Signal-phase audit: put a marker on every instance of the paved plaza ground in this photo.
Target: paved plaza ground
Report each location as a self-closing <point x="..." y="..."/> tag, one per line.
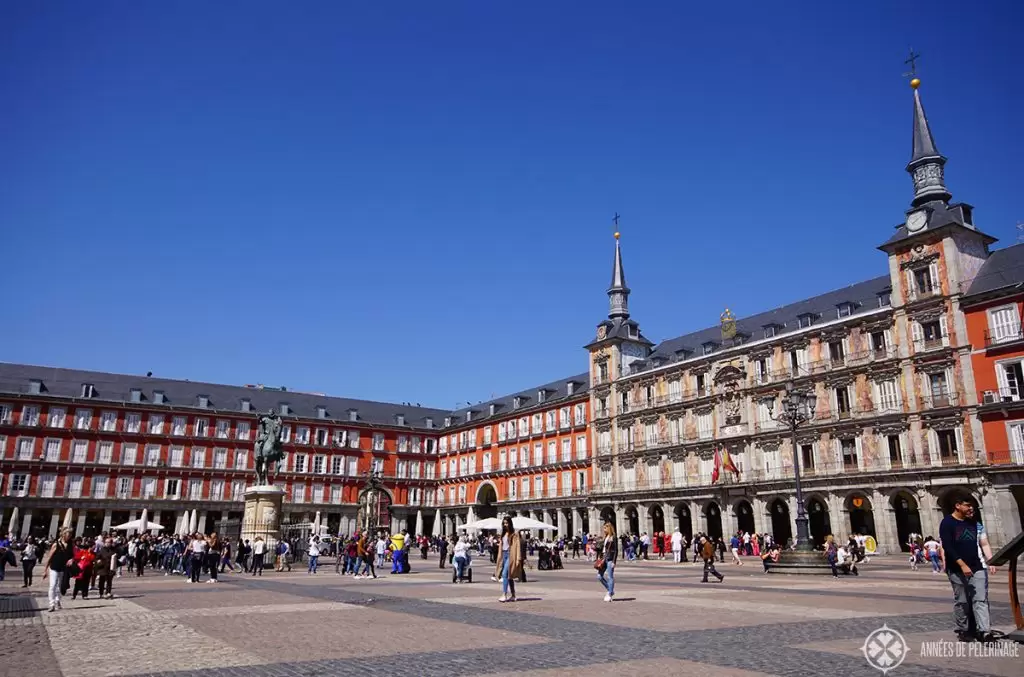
<point x="663" y="622"/>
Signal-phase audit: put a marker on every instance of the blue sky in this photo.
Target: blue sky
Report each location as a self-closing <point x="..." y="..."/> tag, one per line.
<point x="413" y="201"/>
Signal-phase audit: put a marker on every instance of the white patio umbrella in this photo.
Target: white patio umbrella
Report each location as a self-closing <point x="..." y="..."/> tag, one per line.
<point x="68" y="517"/>
<point x="144" y="521"/>
<point x="470" y="516"/>
<point x="316" y="524"/>
<point x="193" y="521"/>
<point x="419" y="523"/>
<point x="521" y="523"/>
<point x="136" y="525"/>
<point x="435" y="529"/>
<point x="12" y="524"/>
<point x="479" y="525"/>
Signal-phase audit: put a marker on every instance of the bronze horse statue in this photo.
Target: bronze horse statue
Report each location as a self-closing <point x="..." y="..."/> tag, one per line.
<point x="268" y="445"/>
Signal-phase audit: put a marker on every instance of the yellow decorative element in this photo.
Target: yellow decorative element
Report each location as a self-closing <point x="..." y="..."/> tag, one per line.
<point x="915" y="83"/>
<point x="870" y="545"/>
<point x="616" y="236"/>
<point x="728" y="324"/>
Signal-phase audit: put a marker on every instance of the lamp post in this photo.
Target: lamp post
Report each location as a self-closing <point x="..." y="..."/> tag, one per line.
<point x="797" y="409"/>
<point x="374" y="480"/>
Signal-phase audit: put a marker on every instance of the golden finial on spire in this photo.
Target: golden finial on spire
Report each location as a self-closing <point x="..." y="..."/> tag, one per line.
<point x="615" y="220"/>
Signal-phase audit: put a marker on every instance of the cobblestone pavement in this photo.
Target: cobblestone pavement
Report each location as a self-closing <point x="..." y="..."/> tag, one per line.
<point x="664" y="621"/>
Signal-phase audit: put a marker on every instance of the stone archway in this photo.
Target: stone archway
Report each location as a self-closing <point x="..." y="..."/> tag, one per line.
<point x="632" y="520"/>
<point x="948" y="499"/>
<point x="486" y="501"/>
<point x="657" y="517"/>
<point x="744" y="516"/>
<point x="782" y="524"/>
<point x="908" y="517"/>
<point x="818" y="520"/>
<point x="713" y="516"/>
<point x="607" y="517"/>
<point x="862" y="516"/>
<point x="685" y="522"/>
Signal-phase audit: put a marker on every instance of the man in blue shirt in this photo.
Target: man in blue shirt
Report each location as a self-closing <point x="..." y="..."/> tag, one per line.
<point x="958" y="533"/>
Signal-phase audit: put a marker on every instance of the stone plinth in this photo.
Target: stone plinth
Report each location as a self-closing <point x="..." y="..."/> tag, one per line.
<point x="262" y="516"/>
<point x="800" y="562"/>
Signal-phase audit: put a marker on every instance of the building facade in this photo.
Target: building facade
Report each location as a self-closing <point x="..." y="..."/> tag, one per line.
<point x="917" y="373"/>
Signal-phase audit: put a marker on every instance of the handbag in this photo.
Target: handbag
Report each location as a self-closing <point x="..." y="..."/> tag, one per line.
<point x="599" y="563"/>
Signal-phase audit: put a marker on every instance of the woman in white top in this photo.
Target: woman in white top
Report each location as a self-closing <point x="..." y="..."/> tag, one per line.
<point x="197" y="550"/>
<point x="461" y="558"/>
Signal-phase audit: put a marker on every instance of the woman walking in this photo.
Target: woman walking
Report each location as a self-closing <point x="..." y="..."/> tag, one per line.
<point x="197" y="556"/>
<point x="510" y="559"/>
<point x="60" y="555"/>
<point x="213" y="556"/>
<point x="609" y="555"/>
<point x="28" y="560"/>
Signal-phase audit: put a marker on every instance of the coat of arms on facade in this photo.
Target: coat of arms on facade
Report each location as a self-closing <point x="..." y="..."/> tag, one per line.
<point x="728" y="324"/>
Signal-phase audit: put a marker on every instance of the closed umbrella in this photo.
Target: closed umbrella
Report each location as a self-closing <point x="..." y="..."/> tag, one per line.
<point x="12" y="526"/>
<point x="316" y="524"/>
<point x="193" y="522"/>
<point x="68" y="517"/>
<point x="144" y="521"/>
<point x="437" y="526"/>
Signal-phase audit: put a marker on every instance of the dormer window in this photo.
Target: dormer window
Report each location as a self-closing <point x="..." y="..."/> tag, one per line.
<point x="469" y="416"/>
<point x="684" y="354"/>
<point x="204" y="402"/>
<point x="283" y="408"/>
<point x="399" y="419"/>
<point x="805" y="320"/>
<point x="844" y="309"/>
<point x="158" y="397"/>
<point x="429" y="422"/>
<point x="447" y="421"/>
<point x="35" y="387"/>
<point x="770" y="330"/>
<point x="353" y="415"/>
<point x="570" y="387"/>
<point x="321" y="411"/>
<point x="541" y="395"/>
<point x="491" y="409"/>
<point x="633" y="333"/>
<point x="517" y="402"/>
<point x="88" y="390"/>
<point x="246" y="405"/>
<point x="885" y="299"/>
<point x="135" y="394"/>
<point x="708" y="347"/>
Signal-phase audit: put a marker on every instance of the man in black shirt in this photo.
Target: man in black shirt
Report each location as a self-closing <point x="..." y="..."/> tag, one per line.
<point x="959" y="535"/>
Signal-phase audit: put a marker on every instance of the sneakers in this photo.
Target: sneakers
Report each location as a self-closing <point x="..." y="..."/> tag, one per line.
<point x="503" y="598"/>
<point x="52" y="608"/>
<point x="607" y="598"/>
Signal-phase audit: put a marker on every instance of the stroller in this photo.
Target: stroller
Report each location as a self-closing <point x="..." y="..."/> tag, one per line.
<point x="546" y="560"/>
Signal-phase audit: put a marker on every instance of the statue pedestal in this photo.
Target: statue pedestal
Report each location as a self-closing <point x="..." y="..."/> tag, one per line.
<point x="262" y="516"/>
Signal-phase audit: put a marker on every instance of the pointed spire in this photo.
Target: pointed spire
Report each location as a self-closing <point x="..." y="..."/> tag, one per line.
<point x="926" y="163"/>
<point x="618" y="293"/>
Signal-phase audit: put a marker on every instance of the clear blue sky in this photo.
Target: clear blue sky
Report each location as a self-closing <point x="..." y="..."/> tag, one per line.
<point x="412" y="200"/>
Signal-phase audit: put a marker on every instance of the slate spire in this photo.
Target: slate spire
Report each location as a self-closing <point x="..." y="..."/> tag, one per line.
<point x="926" y="163"/>
<point x="618" y="293"/>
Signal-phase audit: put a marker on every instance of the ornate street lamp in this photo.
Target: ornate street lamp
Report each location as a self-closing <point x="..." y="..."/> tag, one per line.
<point x="797" y="409"/>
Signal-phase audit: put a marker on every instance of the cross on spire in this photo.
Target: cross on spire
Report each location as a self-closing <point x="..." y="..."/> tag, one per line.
<point x="912" y="62"/>
<point x="615" y="220"/>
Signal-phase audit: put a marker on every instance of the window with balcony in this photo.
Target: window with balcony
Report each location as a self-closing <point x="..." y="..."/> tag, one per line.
<point x="242" y="429"/>
<point x="938" y="390"/>
<point x="807" y="460"/>
<point x="1004" y="325"/>
<point x="566" y="450"/>
<point x="763" y="370"/>
<point x="887" y="395"/>
<point x="105" y="453"/>
<point x="705" y="428"/>
<point x="5" y="414"/>
<point x="302" y="435"/>
<point x="298" y="492"/>
<point x="83" y="419"/>
<point x="299" y="463"/>
<point x="75" y="486"/>
<point x="79" y="451"/>
<point x="241" y="459"/>
<point x="178" y="425"/>
<point x="581" y="447"/>
<point x="124" y="487"/>
<point x="220" y="458"/>
<point x="149" y="487"/>
<point x="701" y="381"/>
<point x="198" y="457"/>
<point x="879" y="344"/>
<point x="223" y="429"/>
<point x="29" y="415"/>
<point x="129" y="451"/>
<point x="55" y="417"/>
<point x="841" y="400"/>
<point x="201" y="427"/>
<point x="848" y="450"/>
<point x="949" y="453"/>
<point x="99" y="486"/>
<point x="579" y="414"/>
<point x="895" y="451"/>
<point x="925" y="280"/>
<point x="176" y="457"/>
<point x="602" y="372"/>
<point x="51" y="451"/>
<point x="48" y="485"/>
<point x="675" y="390"/>
<point x="155" y="425"/>
<point x="217" y="490"/>
<point x="837" y="352"/>
<point x="1010" y="377"/>
<point x="552" y="452"/>
<point x="378" y="441"/>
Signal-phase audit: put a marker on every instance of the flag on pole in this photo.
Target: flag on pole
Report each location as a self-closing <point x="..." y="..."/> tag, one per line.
<point x="728" y="464"/>
<point x="715" y="470"/>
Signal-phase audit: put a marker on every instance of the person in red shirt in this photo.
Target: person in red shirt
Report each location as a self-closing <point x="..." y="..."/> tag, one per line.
<point x="84" y="558"/>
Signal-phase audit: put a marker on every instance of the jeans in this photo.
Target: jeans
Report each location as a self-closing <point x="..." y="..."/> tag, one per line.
<point x="313" y="561"/>
<point x="367" y="566"/>
<point x="53" y="593"/>
<point x="934" y="557"/>
<point x="380" y="560"/>
<point x="607" y="577"/>
<point x="970" y="594"/>
<point x="506" y="566"/>
<point x="460" y="567"/>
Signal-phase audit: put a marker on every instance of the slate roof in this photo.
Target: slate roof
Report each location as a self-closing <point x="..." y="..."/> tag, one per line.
<point x="864" y="296"/>
<point x="505" y="406"/>
<point x="940" y="215"/>
<point x="178" y="394"/>
<point x="1003" y="268"/>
